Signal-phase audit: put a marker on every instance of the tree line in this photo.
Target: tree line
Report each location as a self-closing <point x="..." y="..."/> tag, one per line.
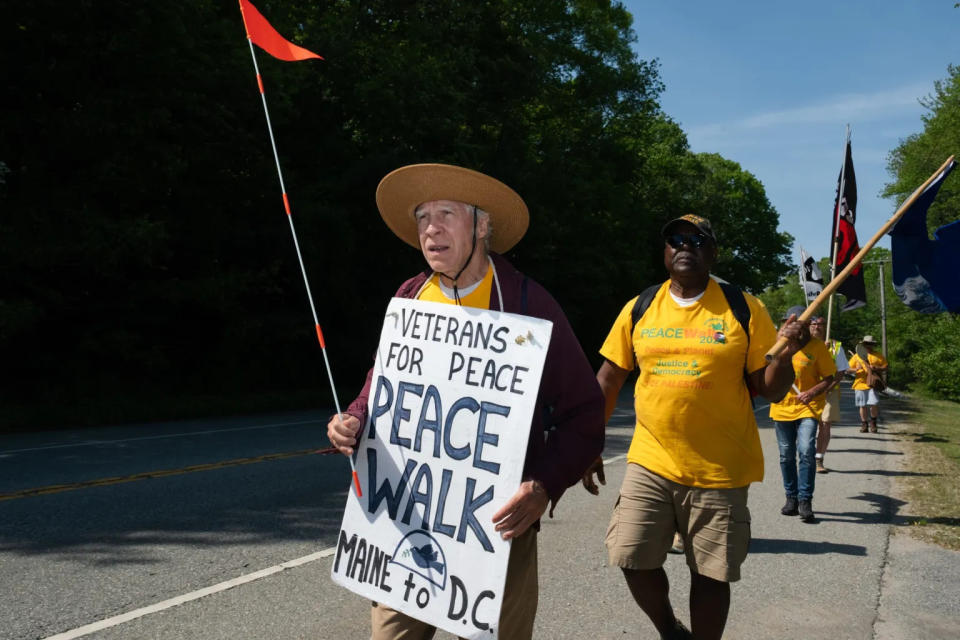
<point x="149" y="271"/>
<point x="923" y="349"/>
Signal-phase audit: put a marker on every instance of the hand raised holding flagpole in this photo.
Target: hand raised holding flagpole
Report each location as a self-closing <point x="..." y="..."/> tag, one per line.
<point x="855" y="261"/>
<point x="261" y="33"/>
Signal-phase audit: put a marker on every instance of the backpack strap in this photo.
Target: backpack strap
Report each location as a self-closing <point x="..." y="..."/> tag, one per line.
<point x="642" y="304"/>
<point x="738" y="305"/>
<point x="741" y="311"/>
<point x="639" y="308"/>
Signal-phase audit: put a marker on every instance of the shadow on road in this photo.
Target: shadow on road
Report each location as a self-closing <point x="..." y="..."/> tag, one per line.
<point x="292" y="500"/>
<point x="805" y="547"/>
<point x="884" y="472"/>
<point x="917" y="436"/>
<point x="872" y="451"/>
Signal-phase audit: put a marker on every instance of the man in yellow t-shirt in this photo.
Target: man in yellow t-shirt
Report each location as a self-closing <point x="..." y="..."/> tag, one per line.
<point x="795" y="420"/>
<point x="864" y="396"/>
<point x="696" y="447"/>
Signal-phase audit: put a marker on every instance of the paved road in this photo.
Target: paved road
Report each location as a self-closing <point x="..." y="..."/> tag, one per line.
<point x="846" y="576"/>
<point x="78" y="555"/>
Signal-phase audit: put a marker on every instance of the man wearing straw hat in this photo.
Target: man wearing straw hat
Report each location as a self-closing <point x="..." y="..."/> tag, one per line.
<point x="461" y="220"/>
<point x="865" y="396"/>
<point x="695" y="447"/>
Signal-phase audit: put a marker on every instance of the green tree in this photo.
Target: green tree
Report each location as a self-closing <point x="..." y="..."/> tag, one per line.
<point x="753" y="254"/>
<point x="927" y="345"/>
<point x="150" y="266"/>
<point x="919" y="155"/>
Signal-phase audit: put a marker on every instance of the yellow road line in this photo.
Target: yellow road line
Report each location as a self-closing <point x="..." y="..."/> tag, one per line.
<point x="146" y="475"/>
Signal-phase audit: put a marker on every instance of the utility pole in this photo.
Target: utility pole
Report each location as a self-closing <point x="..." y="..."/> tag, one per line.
<point x="883" y="312"/>
<point x="883" y="307"/>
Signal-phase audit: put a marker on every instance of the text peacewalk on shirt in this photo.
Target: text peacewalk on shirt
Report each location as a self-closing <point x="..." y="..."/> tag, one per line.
<point x="811" y="364"/>
<point x="695" y="423"/>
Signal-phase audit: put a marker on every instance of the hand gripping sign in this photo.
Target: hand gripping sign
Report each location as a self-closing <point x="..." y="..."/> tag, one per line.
<point x="451" y="401"/>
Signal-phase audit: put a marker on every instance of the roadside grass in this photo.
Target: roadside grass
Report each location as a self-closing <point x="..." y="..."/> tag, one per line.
<point x="931" y="434"/>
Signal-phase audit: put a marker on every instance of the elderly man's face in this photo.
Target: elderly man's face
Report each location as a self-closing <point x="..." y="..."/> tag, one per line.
<point x="818" y="327"/>
<point x="686" y="259"/>
<point x="446" y="234"/>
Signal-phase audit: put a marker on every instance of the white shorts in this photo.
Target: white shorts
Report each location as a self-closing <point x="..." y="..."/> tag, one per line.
<point x="865" y="397"/>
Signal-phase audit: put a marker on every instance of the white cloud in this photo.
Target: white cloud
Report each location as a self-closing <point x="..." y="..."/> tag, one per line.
<point x="848" y="107"/>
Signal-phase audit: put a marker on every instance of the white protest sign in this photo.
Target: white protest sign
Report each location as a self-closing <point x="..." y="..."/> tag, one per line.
<point x="451" y="401"/>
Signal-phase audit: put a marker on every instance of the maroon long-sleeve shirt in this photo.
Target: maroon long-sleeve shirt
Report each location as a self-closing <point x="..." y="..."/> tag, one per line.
<point x="567" y="430"/>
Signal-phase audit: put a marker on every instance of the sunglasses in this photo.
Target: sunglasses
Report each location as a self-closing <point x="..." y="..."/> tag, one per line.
<point x="695" y="240"/>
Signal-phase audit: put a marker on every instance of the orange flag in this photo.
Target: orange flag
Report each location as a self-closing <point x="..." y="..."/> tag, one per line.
<point x="266" y="37"/>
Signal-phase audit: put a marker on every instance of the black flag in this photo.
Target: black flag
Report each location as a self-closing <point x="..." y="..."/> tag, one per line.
<point x="844" y="217"/>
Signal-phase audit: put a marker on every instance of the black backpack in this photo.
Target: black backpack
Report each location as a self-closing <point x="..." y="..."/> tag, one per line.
<point x="735" y="299"/>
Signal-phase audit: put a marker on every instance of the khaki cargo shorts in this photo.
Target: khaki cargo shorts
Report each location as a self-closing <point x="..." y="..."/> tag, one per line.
<point x="831" y="410"/>
<point x="714" y="523"/>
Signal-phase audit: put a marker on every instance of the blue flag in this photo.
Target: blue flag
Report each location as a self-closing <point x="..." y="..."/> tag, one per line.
<point x="926" y="273"/>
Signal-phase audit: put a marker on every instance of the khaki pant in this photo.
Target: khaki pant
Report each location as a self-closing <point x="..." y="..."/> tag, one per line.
<point x="520" y="595"/>
<point x="831" y="410"/>
<point x="715" y="525"/>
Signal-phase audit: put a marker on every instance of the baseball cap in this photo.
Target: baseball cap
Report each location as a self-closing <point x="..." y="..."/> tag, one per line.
<point x="794" y="310"/>
<point x="699" y="222"/>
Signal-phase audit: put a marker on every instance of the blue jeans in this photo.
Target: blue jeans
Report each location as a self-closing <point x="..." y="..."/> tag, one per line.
<point x="797" y="440"/>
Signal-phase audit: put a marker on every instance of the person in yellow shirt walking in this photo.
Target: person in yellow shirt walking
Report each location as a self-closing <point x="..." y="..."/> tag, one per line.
<point x="796" y="418"/>
<point x="865" y="396"/>
<point x="695" y="451"/>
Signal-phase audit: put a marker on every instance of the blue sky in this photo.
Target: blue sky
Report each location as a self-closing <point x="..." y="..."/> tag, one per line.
<point x="772" y="85"/>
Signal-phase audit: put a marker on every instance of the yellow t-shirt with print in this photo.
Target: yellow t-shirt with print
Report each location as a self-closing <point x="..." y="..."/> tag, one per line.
<point x="875" y="360"/>
<point x="479" y="298"/>
<point x="695" y="423"/>
<point x="811" y="364"/>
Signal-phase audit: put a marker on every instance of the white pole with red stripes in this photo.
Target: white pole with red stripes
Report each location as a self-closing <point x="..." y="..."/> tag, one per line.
<point x="296" y="244"/>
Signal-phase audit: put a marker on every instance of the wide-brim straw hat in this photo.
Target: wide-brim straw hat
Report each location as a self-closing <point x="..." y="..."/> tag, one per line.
<point x="403" y="190"/>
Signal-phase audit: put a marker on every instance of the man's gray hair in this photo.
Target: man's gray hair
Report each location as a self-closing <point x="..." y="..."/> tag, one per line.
<point x="486" y="241"/>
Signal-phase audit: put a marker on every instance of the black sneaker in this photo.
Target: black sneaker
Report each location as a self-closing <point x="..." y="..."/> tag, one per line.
<point x="790" y="507"/>
<point x="679" y="632"/>
<point x="806" y="511"/>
